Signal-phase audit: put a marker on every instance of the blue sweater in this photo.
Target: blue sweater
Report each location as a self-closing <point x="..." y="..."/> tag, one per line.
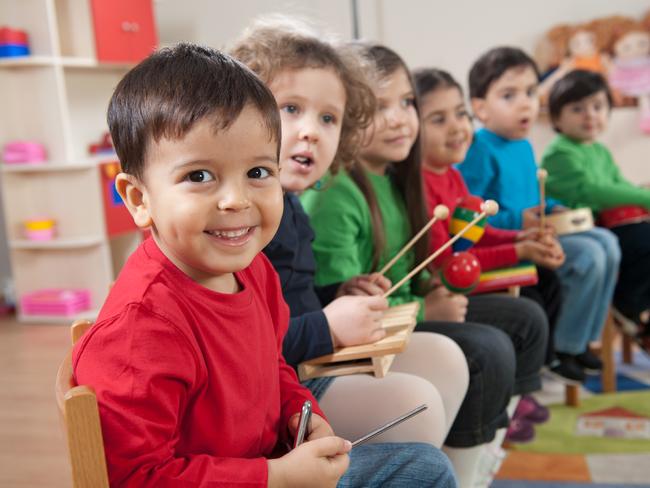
<point x="503" y="170"/>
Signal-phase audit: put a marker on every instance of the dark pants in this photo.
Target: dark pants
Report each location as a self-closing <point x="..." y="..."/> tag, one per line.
<point x="632" y="294"/>
<point x="548" y="295"/>
<point x="504" y="358"/>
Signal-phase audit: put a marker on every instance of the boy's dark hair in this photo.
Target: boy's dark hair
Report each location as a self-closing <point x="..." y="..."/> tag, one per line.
<point x="491" y="66"/>
<point x="173" y="89"/>
<point x="428" y="80"/>
<point x="575" y="86"/>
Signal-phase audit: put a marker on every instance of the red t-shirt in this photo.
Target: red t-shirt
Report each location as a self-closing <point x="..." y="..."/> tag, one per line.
<point x="495" y="249"/>
<point x="191" y="384"/>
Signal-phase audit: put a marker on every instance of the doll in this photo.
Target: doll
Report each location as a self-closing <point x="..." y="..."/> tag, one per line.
<point x="630" y="70"/>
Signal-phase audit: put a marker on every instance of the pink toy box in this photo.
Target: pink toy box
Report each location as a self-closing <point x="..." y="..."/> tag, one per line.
<point x="55" y="301"/>
<point x="18" y="152"/>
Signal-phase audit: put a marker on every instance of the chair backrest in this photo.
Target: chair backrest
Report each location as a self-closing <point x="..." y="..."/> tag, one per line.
<point x="78" y="408"/>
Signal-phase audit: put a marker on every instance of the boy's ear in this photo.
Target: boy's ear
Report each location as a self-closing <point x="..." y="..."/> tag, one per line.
<point x="134" y="196"/>
<point x="478" y="108"/>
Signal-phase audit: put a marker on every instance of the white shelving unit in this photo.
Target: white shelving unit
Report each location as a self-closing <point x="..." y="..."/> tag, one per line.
<point x="58" y="97"/>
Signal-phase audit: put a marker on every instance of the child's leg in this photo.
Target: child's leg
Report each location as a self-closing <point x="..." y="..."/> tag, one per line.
<point x="525" y="323"/>
<point x="357" y="404"/>
<point x="440" y="361"/>
<point x="583" y="278"/>
<point x="491" y="360"/>
<point x="547" y="293"/>
<point x="396" y="465"/>
<point x="632" y="294"/>
<point x="610" y="245"/>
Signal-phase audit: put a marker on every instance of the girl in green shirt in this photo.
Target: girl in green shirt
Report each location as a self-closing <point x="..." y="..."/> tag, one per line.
<point x="367" y="213"/>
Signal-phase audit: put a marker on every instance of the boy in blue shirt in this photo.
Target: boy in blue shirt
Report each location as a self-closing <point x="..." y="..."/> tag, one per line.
<point x="501" y="165"/>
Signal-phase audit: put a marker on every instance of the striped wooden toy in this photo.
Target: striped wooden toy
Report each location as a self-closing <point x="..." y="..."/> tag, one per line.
<point x="466" y="210"/>
<point x="524" y="274"/>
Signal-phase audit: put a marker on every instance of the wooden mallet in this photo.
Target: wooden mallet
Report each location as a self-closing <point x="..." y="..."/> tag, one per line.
<point x="489" y="207"/>
<point x="541" y="178"/>
<point x="440" y="212"/>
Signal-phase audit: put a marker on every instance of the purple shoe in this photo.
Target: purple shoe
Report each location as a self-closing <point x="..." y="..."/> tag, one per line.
<point x="520" y="430"/>
<point x="530" y="409"/>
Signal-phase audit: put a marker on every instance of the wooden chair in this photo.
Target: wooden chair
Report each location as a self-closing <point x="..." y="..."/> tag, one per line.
<point x="78" y="409"/>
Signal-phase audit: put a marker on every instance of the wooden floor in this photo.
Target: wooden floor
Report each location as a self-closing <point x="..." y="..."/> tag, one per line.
<point x="32" y="446"/>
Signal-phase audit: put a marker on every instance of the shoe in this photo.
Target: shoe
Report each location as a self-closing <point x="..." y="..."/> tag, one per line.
<point x="520" y="430"/>
<point x="567" y="370"/>
<point x="589" y="362"/>
<point x="530" y="409"/>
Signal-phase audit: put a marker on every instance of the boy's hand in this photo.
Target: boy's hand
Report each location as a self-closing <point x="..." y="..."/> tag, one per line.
<point x="372" y="284"/>
<point x="534" y="234"/>
<point x="530" y="217"/>
<point x="317" y="463"/>
<point x="355" y="320"/>
<point x="318" y="427"/>
<point x="441" y="304"/>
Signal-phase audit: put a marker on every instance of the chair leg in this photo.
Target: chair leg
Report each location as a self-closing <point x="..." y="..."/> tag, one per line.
<point x="572" y="395"/>
<point x="608" y="375"/>
<point x="628" y="349"/>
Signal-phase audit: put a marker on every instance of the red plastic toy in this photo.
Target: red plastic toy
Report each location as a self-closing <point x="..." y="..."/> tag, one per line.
<point x="461" y="272"/>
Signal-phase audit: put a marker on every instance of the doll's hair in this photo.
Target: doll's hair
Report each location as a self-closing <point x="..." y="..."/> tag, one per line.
<point x="551" y="49"/>
<point x="573" y="87"/>
<point x="493" y="64"/>
<point x="275" y="43"/>
<point x="621" y="28"/>
<point x="175" y="88"/>
<point x="428" y="80"/>
<point x="382" y="63"/>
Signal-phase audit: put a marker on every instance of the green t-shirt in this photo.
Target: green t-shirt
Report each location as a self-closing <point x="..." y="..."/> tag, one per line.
<point x="343" y="247"/>
<point x="585" y="175"/>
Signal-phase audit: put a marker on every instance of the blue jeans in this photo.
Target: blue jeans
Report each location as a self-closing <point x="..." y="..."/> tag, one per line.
<point x="411" y="465"/>
<point x="588" y="278"/>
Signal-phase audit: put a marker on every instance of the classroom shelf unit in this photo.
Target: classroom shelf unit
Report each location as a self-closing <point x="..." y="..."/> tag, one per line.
<point x="58" y="96"/>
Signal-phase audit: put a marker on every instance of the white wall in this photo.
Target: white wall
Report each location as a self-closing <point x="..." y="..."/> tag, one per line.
<point x="445" y="34"/>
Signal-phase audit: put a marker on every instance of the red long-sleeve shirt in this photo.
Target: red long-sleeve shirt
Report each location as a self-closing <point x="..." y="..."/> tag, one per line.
<point x="495" y="249"/>
<point x="192" y="386"/>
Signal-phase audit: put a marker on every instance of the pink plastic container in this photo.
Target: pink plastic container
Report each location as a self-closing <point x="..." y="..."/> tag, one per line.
<point x="55" y="301"/>
<point x="20" y="152"/>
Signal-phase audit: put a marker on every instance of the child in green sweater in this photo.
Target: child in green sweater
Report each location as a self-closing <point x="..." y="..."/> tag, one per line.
<point x="582" y="173"/>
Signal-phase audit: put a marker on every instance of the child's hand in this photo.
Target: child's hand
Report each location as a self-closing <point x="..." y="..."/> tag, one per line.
<point x="441" y="304"/>
<point x="530" y="218"/>
<point x="318" y="427"/>
<point x="372" y="284"/>
<point x="536" y="252"/>
<point x="356" y="320"/>
<point x="535" y="234"/>
<point x="317" y="463"/>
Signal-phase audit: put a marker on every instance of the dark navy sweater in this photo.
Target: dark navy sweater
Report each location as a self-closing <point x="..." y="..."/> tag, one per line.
<point x="292" y="257"/>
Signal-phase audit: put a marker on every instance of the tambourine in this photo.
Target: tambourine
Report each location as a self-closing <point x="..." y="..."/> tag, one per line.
<point x="571" y="221"/>
<point x="628" y="214"/>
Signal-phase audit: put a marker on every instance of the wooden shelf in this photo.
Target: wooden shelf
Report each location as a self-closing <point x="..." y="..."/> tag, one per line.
<point x="59" y="319"/>
<point x="46" y="167"/>
<point x="66" y="62"/>
<point x="74" y="243"/>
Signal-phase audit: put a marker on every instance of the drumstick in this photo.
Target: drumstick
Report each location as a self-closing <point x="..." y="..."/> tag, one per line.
<point x="441" y="212"/>
<point x="541" y="178"/>
<point x="490" y="207"/>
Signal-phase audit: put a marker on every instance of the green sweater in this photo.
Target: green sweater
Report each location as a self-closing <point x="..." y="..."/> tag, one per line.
<point x="344" y="245"/>
<point x="585" y="175"/>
